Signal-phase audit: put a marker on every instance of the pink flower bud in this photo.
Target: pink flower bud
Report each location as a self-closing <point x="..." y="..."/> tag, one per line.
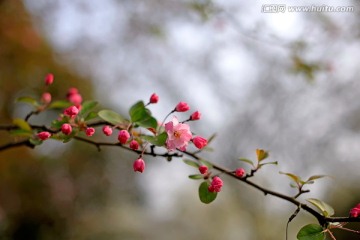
<point x="75" y="99"/>
<point x="46" y="97"/>
<point x="216" y="184"/>
<point x="199" y="142"/>
<point x="71" y="111"/>
<point x="182" y="107"/>
<point x="134" y="145"/>
<point x="90" y="131"/>
<point x="66" y="129"/>
<point x="355" y="212"/>
<point x="43" y="135"/>
<point x="49" y="79"/>
<point x="139" y="165"/>
<point x="123" y="136"/>
<point x="195" y="116"/>
<point x="72" y="91"/>
<point x="107" y="130"/>
<point x="154" y="98"/>
<point x="239" y="172"/>
<point x="203" y="169"/>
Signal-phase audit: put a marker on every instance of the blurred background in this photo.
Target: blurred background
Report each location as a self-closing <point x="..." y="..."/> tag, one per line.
<point x="285" y="82"/>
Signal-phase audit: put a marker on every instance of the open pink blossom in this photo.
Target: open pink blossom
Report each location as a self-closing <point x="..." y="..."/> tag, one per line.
<point x="179" y="135"/>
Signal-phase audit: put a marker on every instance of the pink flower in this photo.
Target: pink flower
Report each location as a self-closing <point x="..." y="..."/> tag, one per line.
<point x="195" y="116"/>
<point x="46" y="97"/>
<point x="199" y="142"/>
<point x="49" y="79"/>
<point x="154" y="98"/>
<point x="90" y="131"/>
<point x="139" y="165"/>
<point x="216" y="184"/>
<point x="43" y="135"/>
<point x="179" y="135"/>
<point x="71" y="111"/>
<point x="182" y="107"/>
<point x="124" y="135"/>
<point x="66" y="129"/>
<point x="134" y="145"/>
<point x="203" y="169"/>
<point x="355" y="212"/>
<point x="239" y="172"/>
<point x="107" y="130"/>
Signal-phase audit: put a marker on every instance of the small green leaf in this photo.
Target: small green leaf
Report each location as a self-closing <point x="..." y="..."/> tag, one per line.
<point x="59" y="104"/>
<point x="247" y="161"/>
<point x="86" y="107"/>
<point x="293" y="177"/>
<point x="196" y="176"/>
<point x="267" y="163"/>
<point x="35" y="142"/>
<point x="148" y="122"/>
<point x="315" y="177"/>
<point x="204" y="194"/>
<point x="325" y="208"/>
<point x="206" y="163"/>
<point x="91" y="116"/>
<point x="158" y="140"/>
<point x="22" y="124"/>
<point x="191" y="163"/>
<point x="21" y="133"/>
<point x="138" y="112"/>
<point x="111" y="117"/>
<point x="141" y="116"/>
<point x="211" y="138"/>
<point x="28" y="100"/>
<point x="311" y="232"/>
<point x="261" y="154"/>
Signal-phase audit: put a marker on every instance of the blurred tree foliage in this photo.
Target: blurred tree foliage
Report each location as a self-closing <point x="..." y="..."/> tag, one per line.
<point x="40" y="197"/>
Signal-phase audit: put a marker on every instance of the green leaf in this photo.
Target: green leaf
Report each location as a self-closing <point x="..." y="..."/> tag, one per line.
<point x="293" y="177"/>
<point x="141" y="116"/>
<point x="267" y="163"/>
<point x="325" y="208"/>
<point x="138" y="112"/>
<point x="196" y="176"/>
<point x="311" y="232"/>
<point x="22" y="124"/>
<point x="191" y="163"/>
<point x="91" y="116"/>
<point x="57" y="124"/>
<point x="206" y="163"/>
<point x="28" y="100"/>
<point x="204" y="194"/>
<point x="111" y="117"/>
<point x="158" y="140"/>
<point x="86" y="107"/>
<point x="247" y="161"/>
<point x="315" y="177"/>
<point x="149" y="122"/>
<point x="211" y="138"/>
<point x="35" y="142"/>
<point x="59" y="104"/>
<point x="21" y="133"/>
